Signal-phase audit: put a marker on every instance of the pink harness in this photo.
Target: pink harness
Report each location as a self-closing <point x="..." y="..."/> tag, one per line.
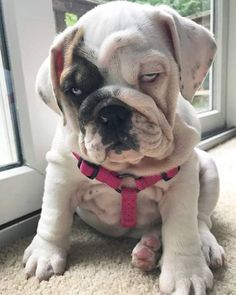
<point x="129" y="195"/>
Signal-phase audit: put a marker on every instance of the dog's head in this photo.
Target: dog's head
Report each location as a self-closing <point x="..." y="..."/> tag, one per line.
<point x="116" y="76"/>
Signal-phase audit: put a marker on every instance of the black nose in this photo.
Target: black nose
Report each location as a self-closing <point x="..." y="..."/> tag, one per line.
<point x="114" y="115"/>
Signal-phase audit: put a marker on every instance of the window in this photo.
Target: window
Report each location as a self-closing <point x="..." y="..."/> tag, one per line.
<point x="9" y="149"/>
<point x="27" y="37"/>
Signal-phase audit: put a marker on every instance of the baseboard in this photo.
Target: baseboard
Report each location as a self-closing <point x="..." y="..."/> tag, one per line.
<point x="216" y="139"/>
<point x="19" y="229"/>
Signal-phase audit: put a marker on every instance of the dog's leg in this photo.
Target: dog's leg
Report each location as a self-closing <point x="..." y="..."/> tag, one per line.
<point x="46" y="255"/>
<point x="146" y="253"/>
<point x="183" y="266"/>
<point x="209" y="193"/>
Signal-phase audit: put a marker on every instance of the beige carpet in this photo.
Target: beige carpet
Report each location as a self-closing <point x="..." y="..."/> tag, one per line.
<point x="101" y="265"/>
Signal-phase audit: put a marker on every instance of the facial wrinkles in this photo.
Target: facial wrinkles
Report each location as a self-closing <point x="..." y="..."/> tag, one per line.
<point x="147" y="133"/>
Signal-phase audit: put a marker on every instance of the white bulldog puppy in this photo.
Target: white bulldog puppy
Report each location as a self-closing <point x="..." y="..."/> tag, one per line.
<point x="115" y="78"/>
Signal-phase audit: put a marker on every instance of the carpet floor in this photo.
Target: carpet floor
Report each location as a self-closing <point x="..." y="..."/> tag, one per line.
<point x="101" y="265"/>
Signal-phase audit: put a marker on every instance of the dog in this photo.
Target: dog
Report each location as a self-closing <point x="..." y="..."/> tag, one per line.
<point x="124" y="154"/>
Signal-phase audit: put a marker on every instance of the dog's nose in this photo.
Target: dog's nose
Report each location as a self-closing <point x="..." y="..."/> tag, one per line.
<point x="114" y="115"/>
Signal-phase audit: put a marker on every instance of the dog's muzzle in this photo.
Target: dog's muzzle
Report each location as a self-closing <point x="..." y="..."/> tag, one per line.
<point x="111" y="118"/>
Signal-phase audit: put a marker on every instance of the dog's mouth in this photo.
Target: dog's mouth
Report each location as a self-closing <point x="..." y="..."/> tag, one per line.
<point x="118" y="152"/>
<point x="129" y="156"/>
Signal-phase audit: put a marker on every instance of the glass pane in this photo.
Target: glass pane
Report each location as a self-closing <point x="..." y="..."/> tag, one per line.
<point x="67" y="12"/>
<point x="203" y="15"/>
<point x="8" y="147"/>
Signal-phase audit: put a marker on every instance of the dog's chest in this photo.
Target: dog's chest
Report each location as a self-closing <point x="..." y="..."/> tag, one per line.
<point x="103" y="204"/>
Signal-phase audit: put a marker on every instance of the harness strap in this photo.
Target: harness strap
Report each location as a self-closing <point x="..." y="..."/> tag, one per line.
<point x="128" y="207"/>
<point x="128" y="195"/>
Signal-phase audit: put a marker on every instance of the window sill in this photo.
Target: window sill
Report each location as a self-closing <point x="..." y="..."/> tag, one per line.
<point x="211" y="141"/>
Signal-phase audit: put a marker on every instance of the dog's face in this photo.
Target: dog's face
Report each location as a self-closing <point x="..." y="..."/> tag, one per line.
<point x="117" y="74"/>
<point x="114" y="107"/>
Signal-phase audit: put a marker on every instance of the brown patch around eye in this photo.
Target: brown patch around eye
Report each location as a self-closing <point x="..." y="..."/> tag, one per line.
<point x="72" y="45"/>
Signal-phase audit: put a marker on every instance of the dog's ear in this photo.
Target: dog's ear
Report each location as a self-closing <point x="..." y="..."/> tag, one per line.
<point x="193" y="47"/>
<point x="44" y="86"/>
<point x="49" y="74"/>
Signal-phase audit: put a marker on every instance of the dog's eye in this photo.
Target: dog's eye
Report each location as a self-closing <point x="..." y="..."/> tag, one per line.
<point x="149" y="77"/>
<point x="75" y="91"/>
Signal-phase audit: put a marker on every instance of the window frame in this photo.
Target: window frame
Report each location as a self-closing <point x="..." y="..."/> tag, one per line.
<point x="215" y="119"/>
<point x="231" y="65"/>
<point x="8" y="112"/>
<point x="33" y="116"/>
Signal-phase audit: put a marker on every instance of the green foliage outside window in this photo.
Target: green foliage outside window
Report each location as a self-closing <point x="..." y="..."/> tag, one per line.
<point x="70" y="19"/>
<point x="184" y="7"/>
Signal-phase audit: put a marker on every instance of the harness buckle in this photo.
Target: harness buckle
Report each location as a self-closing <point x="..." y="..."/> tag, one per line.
<point x="94" y="166"/>
<point x="172" y="172"/>
<point x="165" y="177"/>
<point x="119" y="190"/>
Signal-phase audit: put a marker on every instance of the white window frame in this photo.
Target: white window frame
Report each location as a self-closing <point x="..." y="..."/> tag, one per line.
<point x="28" y="36"/>
<point x="30" y="29"/>
<point x="215" y="119"/>
<point x="231" y="65"/>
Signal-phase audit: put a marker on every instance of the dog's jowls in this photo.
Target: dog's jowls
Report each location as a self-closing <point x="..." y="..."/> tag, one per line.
<point x="115" y="79"/>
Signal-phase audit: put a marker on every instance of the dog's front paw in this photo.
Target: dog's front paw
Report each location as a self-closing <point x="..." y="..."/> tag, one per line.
<point x="182" y="274"/>
<point x="44" y="259"/>
<point x="146" y="253"/>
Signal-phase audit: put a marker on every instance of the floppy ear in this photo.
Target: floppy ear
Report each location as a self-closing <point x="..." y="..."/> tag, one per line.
<point x="193" y="46"/>
<point x="44" y="86"/>
<point x="60" y="56"/>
